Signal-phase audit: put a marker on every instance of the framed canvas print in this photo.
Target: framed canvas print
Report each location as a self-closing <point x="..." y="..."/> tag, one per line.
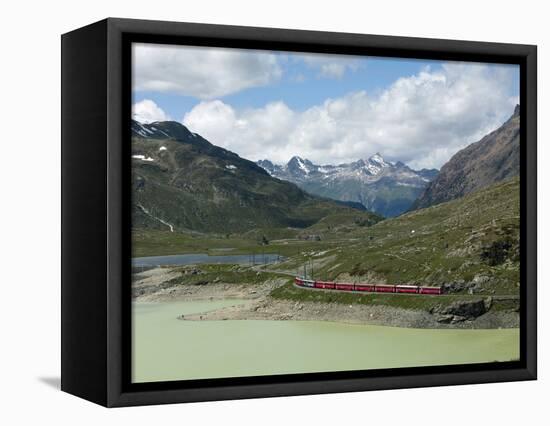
<point x="252" y="212"/>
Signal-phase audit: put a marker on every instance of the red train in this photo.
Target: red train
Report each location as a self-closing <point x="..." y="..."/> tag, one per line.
<point x="372" y="288"/>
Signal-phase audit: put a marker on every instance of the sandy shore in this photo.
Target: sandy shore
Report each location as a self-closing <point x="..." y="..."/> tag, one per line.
<point x="152" y="286"/>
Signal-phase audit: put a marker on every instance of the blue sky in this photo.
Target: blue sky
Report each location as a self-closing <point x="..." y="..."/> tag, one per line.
<point x="329" y="108"/>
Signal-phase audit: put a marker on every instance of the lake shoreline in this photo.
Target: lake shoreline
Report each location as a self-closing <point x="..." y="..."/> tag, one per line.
<point x="277" y="310"/>
<point x="154" y="286"/>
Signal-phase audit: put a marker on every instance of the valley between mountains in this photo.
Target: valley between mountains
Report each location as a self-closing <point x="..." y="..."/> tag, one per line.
<point x="371" y="220"/>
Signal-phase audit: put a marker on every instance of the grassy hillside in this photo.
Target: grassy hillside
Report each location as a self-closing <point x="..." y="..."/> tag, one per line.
<point x="469" y="246"/>
<point x="466" y="244"/>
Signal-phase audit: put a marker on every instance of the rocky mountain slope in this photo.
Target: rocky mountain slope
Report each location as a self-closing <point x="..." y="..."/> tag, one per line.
<point x="183" y="182"/>
<point x="492" y="159"/>
<point x="383" y="187"/>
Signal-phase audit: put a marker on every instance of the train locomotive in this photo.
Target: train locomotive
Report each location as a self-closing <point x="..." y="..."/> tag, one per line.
<point x="371" y="288"/>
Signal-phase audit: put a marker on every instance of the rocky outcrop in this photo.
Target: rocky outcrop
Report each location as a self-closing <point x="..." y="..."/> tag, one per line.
<point x="462" y="310"/>
<point x="476" y="285"/>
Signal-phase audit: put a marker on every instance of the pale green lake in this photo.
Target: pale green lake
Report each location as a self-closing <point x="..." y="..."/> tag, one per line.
<point x="165" y="348"/>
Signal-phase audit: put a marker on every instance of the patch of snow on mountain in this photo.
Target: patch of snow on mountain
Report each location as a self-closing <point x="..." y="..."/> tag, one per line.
<point x="148" y="213"/>
<point x="162" y="148"/>
<point x="377" y="158"/>
<point x="142" y="157"/>
<point x="302" y="166"/>
<point x="141" y="130"/>
<point x="230" y="167"/>
<point x="372" y="169"/>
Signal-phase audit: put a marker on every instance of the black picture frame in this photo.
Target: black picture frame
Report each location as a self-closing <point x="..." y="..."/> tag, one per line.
<point x="96" y="107"/>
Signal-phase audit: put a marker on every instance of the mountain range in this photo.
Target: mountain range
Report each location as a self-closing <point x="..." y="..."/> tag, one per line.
<point x="492" y="159"/>
<point x="183" y="182"/>
<point x="386" y="188"/>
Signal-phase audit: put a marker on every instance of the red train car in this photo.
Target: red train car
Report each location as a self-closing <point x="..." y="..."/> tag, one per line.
<point x="344" y="286"/>
<point x="406" y="289"/>
<point x="430" y="290"/>
<point x="384" y="288"/>
<point x="303" y="282"/>
<point x="365" y="287"/>
<point x="325" y="284"/>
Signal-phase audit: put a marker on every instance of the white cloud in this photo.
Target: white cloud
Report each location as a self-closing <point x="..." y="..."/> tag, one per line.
<point x="205" y="73"/>
<point x="147" y="111"/>
<point x="252" y="133"/>
<point x="421" y="120"/>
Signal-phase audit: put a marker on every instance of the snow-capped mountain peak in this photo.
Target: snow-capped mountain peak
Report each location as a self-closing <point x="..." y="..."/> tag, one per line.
<point x="375" y="164"/>
<point x="299" y="166"/>
<point x="377" y="158"/>
<point x="149" y="130"/>
<point x="359" y="181"/>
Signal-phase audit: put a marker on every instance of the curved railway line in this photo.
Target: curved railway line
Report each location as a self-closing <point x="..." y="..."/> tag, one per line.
<point x="367" y="288"/>
<point x="359" y="288"/>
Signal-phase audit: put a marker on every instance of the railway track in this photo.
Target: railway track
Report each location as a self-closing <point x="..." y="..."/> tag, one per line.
<point x="368" y="288"/>
<point x="441" y="295"/>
